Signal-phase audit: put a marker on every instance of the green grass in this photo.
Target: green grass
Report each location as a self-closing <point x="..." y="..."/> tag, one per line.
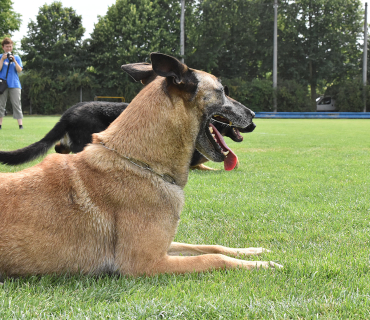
<point x="302" y="191"/>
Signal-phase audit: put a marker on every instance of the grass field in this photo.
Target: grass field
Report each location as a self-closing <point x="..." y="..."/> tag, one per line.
<point x="302" y="190"/>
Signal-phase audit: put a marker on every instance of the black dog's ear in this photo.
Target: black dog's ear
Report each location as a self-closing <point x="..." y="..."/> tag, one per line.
<point x="140" y="71"/>
<point x="167" y="66"/>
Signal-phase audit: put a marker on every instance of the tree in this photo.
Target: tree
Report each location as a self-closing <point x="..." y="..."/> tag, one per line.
<point x="128" y="33"/>
<point x="50" y="95"/>
<point x="54" y="40"/>
<point x="318" y="40"/>
<point x="317" y="44"/>
<point x="10" y="21"/>
<point x="54" y="59"/>
<point x="233" y="38"/>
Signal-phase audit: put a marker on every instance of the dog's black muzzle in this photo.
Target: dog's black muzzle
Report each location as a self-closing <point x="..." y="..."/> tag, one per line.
<point x="249" y="128"/>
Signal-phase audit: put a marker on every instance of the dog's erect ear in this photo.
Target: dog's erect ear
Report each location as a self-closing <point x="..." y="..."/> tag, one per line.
<point x="167" y="66"/>
<point x="140" y="71"/>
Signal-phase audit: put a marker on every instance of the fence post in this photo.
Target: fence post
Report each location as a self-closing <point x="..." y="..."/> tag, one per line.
<point x="364" y="68"/>
<point x="274" y="71"/>
<point x="182" y="31"/>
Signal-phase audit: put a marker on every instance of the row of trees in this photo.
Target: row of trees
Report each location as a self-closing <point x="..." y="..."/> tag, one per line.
<point x="318" y="48"/>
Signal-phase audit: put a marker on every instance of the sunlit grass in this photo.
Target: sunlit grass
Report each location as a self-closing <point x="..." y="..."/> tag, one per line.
<point x="301" y="190"/>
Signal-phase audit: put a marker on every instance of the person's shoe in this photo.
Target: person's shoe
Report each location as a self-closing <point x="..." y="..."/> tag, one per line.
<point x="0" y="126"/>
<point x="20" y="127"/>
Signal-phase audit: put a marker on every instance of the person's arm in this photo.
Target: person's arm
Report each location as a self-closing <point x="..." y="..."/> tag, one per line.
<point x="17" y="66"/>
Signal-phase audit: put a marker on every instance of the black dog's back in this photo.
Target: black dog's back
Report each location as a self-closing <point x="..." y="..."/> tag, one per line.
<point x="79" y="122"/>
<point x="86" y="118"/>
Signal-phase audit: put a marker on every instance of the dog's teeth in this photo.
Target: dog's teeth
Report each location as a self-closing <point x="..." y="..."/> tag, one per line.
<point x="226" y="153"/>
<point x="211" y="129"/>
<point x="214" y="136"/>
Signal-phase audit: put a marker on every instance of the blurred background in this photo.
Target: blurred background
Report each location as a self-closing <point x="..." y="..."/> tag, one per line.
<point x="73" y="51"/>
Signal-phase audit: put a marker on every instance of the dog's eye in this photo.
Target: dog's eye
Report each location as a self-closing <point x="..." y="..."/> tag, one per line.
<point x="226" y="90"/>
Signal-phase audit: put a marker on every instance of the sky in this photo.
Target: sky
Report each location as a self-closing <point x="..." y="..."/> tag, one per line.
<point x="89" y="9"/>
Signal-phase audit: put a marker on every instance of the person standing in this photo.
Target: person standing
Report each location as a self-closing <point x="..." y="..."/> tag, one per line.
<point x="14" y="85"/>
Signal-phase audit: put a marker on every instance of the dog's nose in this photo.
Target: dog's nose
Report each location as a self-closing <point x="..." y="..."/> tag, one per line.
<point x="253" y="114"/>
<point x="249" y="128"/>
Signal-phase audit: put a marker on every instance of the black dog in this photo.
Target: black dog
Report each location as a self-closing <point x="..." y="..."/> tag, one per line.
<point x="78" y="123"/>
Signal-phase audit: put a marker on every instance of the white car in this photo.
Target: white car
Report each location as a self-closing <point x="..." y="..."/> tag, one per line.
<point x="325" y="104"/>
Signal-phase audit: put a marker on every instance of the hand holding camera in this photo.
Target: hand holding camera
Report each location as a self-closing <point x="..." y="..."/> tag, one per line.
<point x="10" y="57"/>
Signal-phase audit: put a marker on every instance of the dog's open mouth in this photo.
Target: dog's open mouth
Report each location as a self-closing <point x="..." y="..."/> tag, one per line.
<point x="232" y="132"/>
<point x="220" y="145"/>
<point x="220" y="121"/>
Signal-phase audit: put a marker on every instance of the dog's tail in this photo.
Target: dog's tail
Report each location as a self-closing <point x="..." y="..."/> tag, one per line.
<point x="36" y="149"/>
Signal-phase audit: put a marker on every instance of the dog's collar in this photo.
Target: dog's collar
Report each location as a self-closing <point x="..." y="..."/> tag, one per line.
<point x="166" y="177"/>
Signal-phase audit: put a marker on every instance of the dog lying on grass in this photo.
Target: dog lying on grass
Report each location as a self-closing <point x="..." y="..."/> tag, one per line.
<point x="78" y="123"/>
<point x="115" y="206"/>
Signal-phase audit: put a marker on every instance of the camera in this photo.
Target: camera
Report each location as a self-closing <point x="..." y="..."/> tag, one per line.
<point x="9" y="56"/>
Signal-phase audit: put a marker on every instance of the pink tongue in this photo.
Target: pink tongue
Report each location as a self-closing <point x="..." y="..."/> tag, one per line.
<point x="231" y="159"/>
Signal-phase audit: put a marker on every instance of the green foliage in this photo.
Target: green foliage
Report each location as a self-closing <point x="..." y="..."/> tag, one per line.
<point x="318" y="43"/>
<point x="232" y="39"/>
<point x="54" y="60"/>
<point x="128" y="33"/>
<point x="53" y="41"/>
<point x="318" y="40"/>
<point x="10" y="21"/>
<point x="258" y="95"/>
<point x="293" y="97"/>
<point x="349" y="95"/>
<point x="54" y="95"/>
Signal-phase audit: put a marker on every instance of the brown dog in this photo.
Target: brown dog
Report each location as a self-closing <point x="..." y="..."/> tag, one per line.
<point x="105" y="209"/>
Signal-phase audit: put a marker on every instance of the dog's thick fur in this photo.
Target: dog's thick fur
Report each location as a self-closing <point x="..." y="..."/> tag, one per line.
<point x="95" y="211"/>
